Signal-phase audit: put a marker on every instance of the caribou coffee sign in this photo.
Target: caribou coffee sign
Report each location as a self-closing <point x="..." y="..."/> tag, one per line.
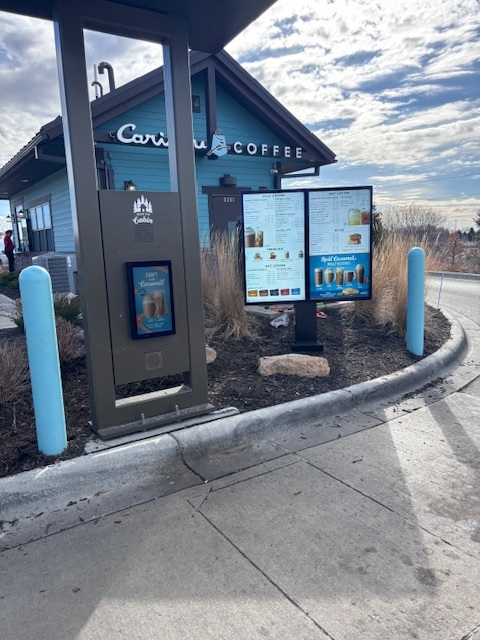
<point x="218" y="146"/>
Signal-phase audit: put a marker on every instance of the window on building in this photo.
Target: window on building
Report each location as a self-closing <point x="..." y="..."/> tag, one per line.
<point x="19" y="226"/>
<point x="40" y="223"/>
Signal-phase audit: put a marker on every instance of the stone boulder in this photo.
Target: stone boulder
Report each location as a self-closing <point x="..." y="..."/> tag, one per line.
<point x="294" y="364"/>
<point x="211" y="354"/>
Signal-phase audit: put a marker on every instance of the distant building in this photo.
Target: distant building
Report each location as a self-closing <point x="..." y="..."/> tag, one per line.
<point x="243" y="138"/>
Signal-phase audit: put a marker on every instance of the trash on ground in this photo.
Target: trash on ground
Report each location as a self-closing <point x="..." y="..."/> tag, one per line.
<point x="280" y="321"/>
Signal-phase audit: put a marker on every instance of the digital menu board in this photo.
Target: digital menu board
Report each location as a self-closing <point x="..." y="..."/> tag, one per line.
<point x="151" y="299"/>
<point x="339" y="243"/>
<point x="307" y="245"/>
<point x="274" y="246"/>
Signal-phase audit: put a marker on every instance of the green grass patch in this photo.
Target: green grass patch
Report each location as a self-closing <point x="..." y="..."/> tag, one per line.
<point x="9" y="280"/>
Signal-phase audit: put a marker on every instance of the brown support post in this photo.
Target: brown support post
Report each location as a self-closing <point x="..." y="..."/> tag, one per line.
<point x="178" y="100"/>
<point x="80" y="158"/>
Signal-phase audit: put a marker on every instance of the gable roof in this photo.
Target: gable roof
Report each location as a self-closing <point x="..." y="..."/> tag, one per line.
<point x="45" y="152"/>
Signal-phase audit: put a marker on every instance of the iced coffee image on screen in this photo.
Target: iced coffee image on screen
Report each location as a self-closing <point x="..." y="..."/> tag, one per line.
<point x="159" y="300"/>
<point x="149" y="306"/>
<point x="359" y="273"/>
<point x="249" y="237"/>
<point x="354" y="217"/>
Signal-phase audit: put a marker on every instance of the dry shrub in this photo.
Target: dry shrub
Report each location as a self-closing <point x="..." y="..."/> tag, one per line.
<point x="14" y="373"/>
<point x="222" y="286"/>
<point x="70" y="340"/>
<point x="388" y="306"/>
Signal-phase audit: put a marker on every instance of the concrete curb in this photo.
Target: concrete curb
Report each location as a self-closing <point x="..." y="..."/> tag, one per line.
<point x="208" y="440"/>
<point x="455" y="275"/>
<point x="44" y="501"/>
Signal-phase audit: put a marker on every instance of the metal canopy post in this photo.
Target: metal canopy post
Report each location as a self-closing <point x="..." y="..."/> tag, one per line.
<point x="178" y="102"/>
<point x="95" y="266"/>
<point x="80" y="158"/>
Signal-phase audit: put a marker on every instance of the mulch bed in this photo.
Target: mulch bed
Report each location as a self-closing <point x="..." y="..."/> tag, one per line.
<point x="355" y="352"/>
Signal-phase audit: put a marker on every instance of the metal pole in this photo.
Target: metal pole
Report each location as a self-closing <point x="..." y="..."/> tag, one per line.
<point x="39" y="321"/>
<point x="440" y="292"/>
<point x="416" y="301"/>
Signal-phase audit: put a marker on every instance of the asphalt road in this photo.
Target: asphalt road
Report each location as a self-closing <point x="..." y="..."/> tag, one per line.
<point x="458" y="295"/>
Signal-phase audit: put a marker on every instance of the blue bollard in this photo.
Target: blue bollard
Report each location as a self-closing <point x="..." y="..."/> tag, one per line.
<point x="39" y="321"/>
<point x="416" y="301"/>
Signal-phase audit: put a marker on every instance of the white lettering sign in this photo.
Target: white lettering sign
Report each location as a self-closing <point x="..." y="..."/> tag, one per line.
<point x="126" y="135"/>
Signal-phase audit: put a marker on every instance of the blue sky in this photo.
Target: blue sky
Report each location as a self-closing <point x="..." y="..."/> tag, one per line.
<point x="391" y="87"/>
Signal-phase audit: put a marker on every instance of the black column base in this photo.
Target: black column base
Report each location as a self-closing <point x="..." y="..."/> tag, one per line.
<point x="307" y="346"/>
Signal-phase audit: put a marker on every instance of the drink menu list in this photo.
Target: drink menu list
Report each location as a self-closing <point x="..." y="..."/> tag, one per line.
<point x="274" y="228"/>
<point x="339" y="244"/>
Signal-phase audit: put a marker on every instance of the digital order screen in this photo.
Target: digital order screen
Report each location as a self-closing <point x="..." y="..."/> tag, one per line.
<point x="339" y="243"/>
<point x="151" y="299"/>
<point x="307" y="245"/>
<point x="274" y="246"/>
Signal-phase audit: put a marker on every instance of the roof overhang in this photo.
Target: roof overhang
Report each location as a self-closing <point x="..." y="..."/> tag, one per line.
<point x="211" y="24"/>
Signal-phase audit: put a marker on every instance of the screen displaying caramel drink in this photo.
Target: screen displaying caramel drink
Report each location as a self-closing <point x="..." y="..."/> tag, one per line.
<point x="359" y="271"/>
<point x="149" y="307"/>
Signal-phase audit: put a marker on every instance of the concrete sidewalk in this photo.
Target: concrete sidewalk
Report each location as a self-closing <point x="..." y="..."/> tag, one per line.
<point x="361" y="522"/>
<point x="374" y="536"/>
<point x="7" y="309"/>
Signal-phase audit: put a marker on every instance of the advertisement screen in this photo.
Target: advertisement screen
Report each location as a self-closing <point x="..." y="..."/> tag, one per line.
<point x="339" y="244"/>
<point x="151" y="299"/>
<point x="274" y="246"/>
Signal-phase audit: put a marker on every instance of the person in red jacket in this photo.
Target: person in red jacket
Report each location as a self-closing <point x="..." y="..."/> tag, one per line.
<point x="8" y="250"/>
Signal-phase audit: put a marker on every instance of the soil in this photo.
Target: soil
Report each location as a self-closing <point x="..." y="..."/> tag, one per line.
<point x="355" y="351"/>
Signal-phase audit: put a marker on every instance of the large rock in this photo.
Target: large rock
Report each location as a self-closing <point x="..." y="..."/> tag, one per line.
<point x="211" y="354"/>
<point x="294" y="364"/>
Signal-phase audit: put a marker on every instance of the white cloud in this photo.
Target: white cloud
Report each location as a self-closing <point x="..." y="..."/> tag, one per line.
<point x="390" y="87"/>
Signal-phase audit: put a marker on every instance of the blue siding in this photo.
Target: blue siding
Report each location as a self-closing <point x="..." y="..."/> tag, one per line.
<point x="62" y="225"/>
<point x="237" y="123"/>
<point x="148" y="166"/>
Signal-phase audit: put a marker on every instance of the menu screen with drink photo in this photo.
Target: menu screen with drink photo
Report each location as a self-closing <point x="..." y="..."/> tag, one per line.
<point x="340" y="243"/>
<point x="151" y="299"/>
<point x="274" y="246"/>
<point x="307" y="245"/>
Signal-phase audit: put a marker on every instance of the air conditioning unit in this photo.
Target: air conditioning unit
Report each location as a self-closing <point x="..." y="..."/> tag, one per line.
<point x="62" y="268"/>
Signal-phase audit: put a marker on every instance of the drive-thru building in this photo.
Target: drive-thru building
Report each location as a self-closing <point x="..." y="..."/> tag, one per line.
<point x="243" y="139"/>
